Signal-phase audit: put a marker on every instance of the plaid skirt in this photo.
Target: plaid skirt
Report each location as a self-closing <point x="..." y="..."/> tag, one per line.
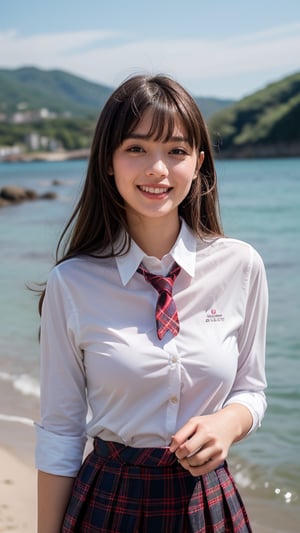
<point x="120" y="489"/>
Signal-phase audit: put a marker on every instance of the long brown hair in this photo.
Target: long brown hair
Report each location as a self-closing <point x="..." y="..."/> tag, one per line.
<point x="99" y="216"/>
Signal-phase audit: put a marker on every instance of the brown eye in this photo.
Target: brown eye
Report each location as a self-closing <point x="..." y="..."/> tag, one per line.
<point x="178" y="151"/>
<point x="135" y="149"/>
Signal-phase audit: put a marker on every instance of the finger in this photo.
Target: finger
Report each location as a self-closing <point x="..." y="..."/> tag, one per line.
<point x="190" y="447"/>
<point x="182" y="435"/>
<point x="200" y="469"/>
<point x="194" y="452"/>
<point x="198" y="460"/>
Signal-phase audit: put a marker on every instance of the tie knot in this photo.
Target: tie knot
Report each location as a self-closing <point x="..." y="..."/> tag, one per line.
<point x="161" y="283"/>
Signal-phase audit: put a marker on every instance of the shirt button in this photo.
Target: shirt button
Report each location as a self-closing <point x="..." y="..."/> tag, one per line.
<point x="174" y="399"/>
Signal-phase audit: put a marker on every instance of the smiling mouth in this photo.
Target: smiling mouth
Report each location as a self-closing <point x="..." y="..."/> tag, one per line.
<point x="154" y="190"/>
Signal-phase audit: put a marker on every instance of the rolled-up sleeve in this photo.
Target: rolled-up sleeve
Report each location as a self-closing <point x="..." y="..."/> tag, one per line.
<point x="58" y="454"/>
<point x="250" y="383"/>
<point x="61" y="432"/>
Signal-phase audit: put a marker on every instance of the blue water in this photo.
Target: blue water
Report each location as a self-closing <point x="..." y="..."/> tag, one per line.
<point x="260" y="203"/>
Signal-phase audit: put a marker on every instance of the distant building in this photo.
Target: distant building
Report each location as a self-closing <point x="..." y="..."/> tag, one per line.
<point x="24" y="117"/>
<point x="34" y="141"/>
<point x="7" y="151"/>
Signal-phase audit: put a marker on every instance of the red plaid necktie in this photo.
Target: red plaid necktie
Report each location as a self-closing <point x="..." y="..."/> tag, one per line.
<point x="166" y="312"/>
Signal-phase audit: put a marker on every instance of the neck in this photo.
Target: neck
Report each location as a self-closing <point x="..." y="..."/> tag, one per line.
<point x="154" y="238"/>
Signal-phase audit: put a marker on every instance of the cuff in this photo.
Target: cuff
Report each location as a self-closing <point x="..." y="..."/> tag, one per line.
<point x="255" y="402"/>
<point x="58" y="454"/>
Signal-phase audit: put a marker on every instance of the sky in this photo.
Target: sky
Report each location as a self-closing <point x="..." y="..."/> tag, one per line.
<point x="217" y="48"/>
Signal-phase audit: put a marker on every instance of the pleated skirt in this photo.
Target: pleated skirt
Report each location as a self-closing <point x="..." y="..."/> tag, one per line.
<point x="120" y="489"/>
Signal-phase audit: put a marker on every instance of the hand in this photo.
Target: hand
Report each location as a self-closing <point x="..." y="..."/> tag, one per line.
<point x="202" y="444"/>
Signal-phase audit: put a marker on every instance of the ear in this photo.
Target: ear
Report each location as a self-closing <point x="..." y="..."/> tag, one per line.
<point x="110" y="171"/>
<point x="199" y="164"/>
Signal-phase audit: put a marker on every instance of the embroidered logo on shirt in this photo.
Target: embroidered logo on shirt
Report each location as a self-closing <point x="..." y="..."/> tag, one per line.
<point x="214" y="316"/>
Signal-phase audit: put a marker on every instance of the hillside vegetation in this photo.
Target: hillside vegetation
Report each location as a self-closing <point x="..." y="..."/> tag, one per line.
<point x="68" y="133"/>
<point x="62" y="92"/>
<point x="264" y="124"/>
<point x="55" y="90"/>
<point x="72" y="105"/>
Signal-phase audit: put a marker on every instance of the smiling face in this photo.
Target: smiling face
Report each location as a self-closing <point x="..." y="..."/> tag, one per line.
<point x="153" y="176"/>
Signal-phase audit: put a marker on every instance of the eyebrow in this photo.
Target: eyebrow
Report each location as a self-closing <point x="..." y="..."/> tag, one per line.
<point x="142" y="136"/>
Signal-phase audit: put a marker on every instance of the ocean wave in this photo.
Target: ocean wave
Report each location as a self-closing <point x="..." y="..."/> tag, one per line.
<point x="19" y="419"/>
<point x="267" y="486"/>
<point x="23" y="383"/>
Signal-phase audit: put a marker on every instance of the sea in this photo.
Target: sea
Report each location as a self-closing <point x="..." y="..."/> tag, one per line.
<point x="260" y="203"/>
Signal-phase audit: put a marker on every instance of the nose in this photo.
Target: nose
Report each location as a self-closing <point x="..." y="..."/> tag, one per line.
<point x="156" y="166"/>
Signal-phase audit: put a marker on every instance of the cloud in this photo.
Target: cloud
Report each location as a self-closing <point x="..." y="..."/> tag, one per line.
<point x="46" y="49"/>
<point x="108" y="57"/>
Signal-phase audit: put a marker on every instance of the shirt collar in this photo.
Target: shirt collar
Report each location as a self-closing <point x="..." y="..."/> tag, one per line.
<point x="183" y="252"/>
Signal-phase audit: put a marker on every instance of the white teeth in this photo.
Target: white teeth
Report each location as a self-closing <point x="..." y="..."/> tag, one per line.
<point x="154" y="190"/>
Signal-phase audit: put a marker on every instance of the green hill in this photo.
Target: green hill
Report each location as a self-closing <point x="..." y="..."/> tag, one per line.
<point x="62" y="92"/>
<point x="264" y="124"/>
<point x="55" y="90"/>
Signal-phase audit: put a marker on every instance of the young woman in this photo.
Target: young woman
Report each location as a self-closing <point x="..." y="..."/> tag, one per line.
<point x="156" y="322"/>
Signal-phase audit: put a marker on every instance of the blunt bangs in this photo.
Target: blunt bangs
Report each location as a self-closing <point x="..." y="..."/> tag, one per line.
<point x="168" y="106"/>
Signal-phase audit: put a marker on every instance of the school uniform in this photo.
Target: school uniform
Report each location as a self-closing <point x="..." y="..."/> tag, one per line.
<point x="100" y="351"/>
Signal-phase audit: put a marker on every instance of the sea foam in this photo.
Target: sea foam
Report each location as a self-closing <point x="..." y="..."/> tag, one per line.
<point x="23" y="383"/>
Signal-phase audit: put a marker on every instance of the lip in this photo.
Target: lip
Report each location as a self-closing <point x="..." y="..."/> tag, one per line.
<point x="154" y="191"/>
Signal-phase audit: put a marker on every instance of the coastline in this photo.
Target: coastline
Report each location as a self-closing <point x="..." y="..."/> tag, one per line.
<point x="60" y="155"/>
<point x="18" y="489"/>
<point x="246" y="152"/>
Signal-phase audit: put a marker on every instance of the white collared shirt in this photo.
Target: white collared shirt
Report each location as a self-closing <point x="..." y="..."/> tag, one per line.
<point x="99" y="347"/>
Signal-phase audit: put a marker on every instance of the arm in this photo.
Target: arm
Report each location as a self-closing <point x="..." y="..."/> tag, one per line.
<point x="53" y="496"/>
<point x="60" y="435"/>
<point x="204" y="441"/>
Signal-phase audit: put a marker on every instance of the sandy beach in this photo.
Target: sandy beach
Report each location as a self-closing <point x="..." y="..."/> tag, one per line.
<point x="17" y="495"/>
<point x="18" y="489"/>
<point x="17" y="479"/>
